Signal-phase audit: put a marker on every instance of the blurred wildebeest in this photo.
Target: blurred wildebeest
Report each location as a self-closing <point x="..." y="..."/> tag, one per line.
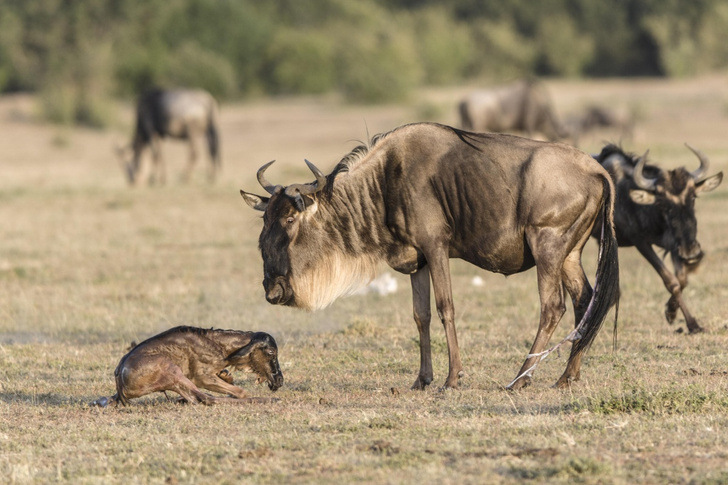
<point x="524" y="105"/>
<point x="656" y="207"/>
<point x="596" y="117"/>
<point x="184" y="359"/>
<point x="424" y="193"/>
<point x="190" y="115"/>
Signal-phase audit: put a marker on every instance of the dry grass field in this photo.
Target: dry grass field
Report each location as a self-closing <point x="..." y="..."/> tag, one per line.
<point x="88" y="265"/>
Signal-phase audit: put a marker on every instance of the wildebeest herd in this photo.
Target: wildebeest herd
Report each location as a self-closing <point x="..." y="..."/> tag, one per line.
<point x="415" y="197"/>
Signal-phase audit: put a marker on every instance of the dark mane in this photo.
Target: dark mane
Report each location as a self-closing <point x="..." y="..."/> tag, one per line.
<point x="651" y="171"/>
<point x="360" y="152"/>
<point x="614" y="149"/>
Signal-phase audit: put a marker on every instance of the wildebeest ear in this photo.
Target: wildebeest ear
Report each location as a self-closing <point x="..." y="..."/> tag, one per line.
<point x="247" y="350"/>
<point x="710" y="183"/>
<point x="255" y="201"/>
<point x="642" y="197"/>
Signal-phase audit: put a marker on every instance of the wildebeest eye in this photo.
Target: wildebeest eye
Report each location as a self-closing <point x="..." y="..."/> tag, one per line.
<point x="290" y="220"/>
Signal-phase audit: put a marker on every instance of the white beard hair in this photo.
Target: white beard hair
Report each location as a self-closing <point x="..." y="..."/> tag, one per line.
<point x="332" y="276"/>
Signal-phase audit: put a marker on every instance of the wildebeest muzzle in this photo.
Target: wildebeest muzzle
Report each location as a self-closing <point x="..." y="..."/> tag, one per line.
<point x="276" y="380"/>
<point x="278" y="291"/>
<point x="691" y="255"/>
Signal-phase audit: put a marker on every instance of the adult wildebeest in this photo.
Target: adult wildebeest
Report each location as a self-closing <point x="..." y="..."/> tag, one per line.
<point x="184" y="359"/>
<point x="524" y="105"/>
<point x="424" y="193"/>
<point x="656" y="207"/>
<point x="595" y="117"/>
<point x="183" y="114"/>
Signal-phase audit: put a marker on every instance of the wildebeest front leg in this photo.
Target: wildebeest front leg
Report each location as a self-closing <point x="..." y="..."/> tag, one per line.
<point x="217" y="384"/>
<point x="440" y="273"/>
<point x="673" y="285"/>
<point x="421" y="303"/>
<point x="673" y="304"/>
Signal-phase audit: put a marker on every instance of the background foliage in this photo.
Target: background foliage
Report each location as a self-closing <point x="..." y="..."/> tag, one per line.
<point x="79" y="54"/>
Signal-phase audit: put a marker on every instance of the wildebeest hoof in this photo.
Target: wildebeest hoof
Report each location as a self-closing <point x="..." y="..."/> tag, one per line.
<point x="226" y="376"/>
<point x="671" y="308"/>
<point x="421" y="383"/>
<point x="101" y="402"/>
<point x="695" y="329"/>
<point x="521" y="383"/>
<point x="261" y="400"/>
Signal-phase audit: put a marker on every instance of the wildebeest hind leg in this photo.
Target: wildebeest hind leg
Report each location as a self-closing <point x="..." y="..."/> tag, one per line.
<point x="421" y="303"/>
<point x="551" y="292"/>
<point x="580" y="290"/>
<point x="194" y="141"/>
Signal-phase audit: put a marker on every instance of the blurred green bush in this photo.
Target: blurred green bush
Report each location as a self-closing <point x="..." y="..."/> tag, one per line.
<point x="80" y="55"/>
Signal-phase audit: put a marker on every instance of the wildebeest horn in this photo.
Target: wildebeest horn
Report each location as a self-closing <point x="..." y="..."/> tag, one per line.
<point x="642" y="181"/>
<point x="307" y="189"/>
<point x="700" y="172"/>
<point x="320" y="178"/>
<point x="298" y="190"/>
<point x="269" y="187"/>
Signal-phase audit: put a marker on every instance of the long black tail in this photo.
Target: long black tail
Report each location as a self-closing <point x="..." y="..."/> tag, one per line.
<point x="606" y="285"/>
<point x="213" y="137"/>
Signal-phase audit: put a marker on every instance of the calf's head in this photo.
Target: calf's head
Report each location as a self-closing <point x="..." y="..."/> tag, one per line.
<point x="259" y="356"/>
<point x="674" y="192"/>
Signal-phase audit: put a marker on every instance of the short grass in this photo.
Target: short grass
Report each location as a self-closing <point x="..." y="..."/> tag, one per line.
<point x="88" y="266"/>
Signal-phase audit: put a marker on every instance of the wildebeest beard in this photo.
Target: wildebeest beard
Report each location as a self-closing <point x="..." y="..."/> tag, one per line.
<point x="333" y="274"/>
<point x="313" y="278"/>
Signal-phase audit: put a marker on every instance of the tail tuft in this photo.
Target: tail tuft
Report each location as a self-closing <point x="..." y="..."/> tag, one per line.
<point x="606" y="285"/>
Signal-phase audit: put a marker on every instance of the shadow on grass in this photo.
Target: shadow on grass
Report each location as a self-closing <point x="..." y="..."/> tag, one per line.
<point x="47" y="399"/>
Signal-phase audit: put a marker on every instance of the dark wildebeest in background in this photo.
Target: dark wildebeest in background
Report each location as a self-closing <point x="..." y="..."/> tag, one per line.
<point x="656" y="207"/>
<point x="424" y="193"/>
<point x="182" y="114"/>
<point x="523" y="106"/>
<point x="184" y="359"/>
<point x="598" y="117"/>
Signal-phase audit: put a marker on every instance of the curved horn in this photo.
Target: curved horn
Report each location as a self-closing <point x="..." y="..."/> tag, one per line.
<point x="642" y="181"/>
<point x="699" y="173"/>
<point x="308" y="189"/>
<point x="269" y="187"/>
<point x="320" y="178"/>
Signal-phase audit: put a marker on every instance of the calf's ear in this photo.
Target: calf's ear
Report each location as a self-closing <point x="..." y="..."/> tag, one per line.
<point x="710" y="183"/>
<point x="255" y="201"/>
<point x="642" y="197"/>
<point x="245" y="351"/>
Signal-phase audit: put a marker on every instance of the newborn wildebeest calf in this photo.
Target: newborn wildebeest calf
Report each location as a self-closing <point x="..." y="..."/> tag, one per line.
<point x="184" y="359"/>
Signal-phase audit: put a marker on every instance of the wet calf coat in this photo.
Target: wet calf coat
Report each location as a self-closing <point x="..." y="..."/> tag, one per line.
<point x="185" y="359"/>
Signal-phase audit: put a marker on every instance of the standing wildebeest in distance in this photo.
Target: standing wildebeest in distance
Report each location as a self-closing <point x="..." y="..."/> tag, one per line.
<point x="524" y="106"/>
<point x="182" y="114"/>
<point x="596" y="117"/>
<point x="657" y="207"/>
<point x="184" y="359"/>
<point x="424" y="193"/>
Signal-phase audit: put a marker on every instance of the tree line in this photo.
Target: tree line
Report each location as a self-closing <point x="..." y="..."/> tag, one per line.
<point x="78" y="54"/>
